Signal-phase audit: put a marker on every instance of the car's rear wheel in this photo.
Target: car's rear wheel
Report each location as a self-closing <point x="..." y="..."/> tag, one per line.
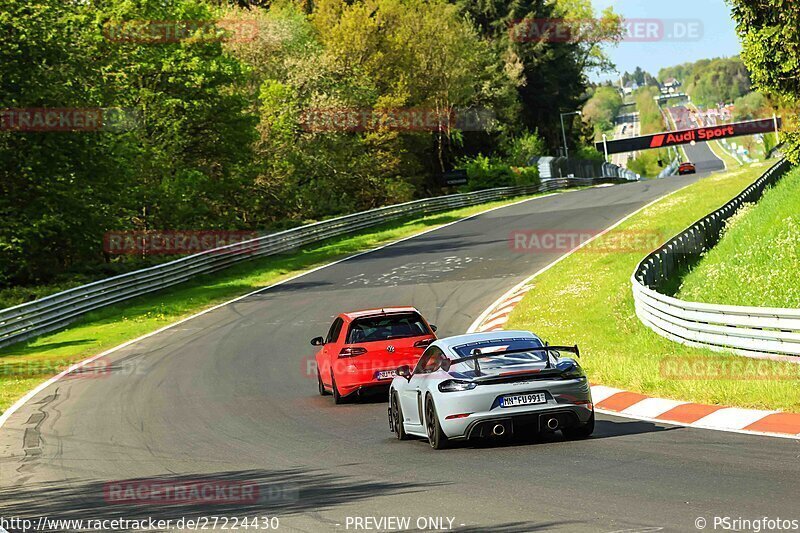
<point x="321" y="387"/>
<point x="337" y="398"/>
<point x="581" y="432"/>
<point x="397" y="418"/>
<point x="436" y="436"/>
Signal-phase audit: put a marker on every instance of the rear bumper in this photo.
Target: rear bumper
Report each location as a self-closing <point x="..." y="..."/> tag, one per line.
<point x="370" y="386"/>
<point x="570" y="402"/>
<point x="352" y="379"/>
<point x="538" y="421"/>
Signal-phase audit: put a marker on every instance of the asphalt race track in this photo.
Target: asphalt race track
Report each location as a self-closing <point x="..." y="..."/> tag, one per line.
<point x="227" y="397"/>
<point x="700" y="154"/>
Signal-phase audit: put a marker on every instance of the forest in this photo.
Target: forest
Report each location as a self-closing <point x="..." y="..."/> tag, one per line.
<point x="147" y="115"/>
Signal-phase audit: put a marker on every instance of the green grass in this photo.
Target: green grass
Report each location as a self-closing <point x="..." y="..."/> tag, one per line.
<point x="586" y="299"/>
<point x="719" y="151"/>
<point x="757" y="262"/>
<point x="25" y="365"/>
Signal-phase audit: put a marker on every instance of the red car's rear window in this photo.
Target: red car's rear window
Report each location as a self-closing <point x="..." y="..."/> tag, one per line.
<point x="386" y="327"/>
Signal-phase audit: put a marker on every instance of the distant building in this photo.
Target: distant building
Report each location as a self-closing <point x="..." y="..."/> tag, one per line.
<point x="670" y="86"/>
<point x="629" y="87"/>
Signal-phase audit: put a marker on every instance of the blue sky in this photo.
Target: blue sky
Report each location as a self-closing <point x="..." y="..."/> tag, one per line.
<point x="718" y="37"/>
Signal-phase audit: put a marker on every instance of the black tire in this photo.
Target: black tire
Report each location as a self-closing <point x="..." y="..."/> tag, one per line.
<point x="436" y="437"/>
<point x="337" y="398"/>
<point x="584" y="431"/>
<point x="396" y="413"/>
<point x="320" y="386"/>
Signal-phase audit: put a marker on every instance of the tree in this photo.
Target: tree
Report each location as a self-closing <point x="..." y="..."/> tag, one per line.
<point x="549" y="72"/>
<point x="602" y="108"/>
<point x="179" y="165"/>
<point x="751" y="106"/>
<point x="771" y="51"/>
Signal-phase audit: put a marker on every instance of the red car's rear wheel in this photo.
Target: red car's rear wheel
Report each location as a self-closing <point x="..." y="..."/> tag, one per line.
<point x="337" y="398"/>
<point x="322" y="391"/>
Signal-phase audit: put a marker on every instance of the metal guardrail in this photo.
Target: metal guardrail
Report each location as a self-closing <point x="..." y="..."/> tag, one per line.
<point x="562" y="167"/>
<point x="743" y="330"/>
<point x="47" y="314"/>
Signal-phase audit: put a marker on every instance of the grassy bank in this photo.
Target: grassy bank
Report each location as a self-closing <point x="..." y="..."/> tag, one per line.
<point x="595" y="309"/>
<point x="719" y="151"/>
<point x="757" y="262"/>
<point x="25" y="365"/>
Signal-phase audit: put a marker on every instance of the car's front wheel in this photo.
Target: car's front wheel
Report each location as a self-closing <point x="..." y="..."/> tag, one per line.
<point x="396" y="411"/>
<point x="584" y="431"/>
<point x="436" y="436"/>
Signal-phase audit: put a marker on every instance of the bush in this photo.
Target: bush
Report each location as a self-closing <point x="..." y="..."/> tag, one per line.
<point x="646" y="162"/>
<point x="486" y="173"/>
<point x="589" y="153"/>
<point x="525" y="147"/>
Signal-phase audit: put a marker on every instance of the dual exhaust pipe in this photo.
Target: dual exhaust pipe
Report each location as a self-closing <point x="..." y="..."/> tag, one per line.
<point x="499" y="429"/>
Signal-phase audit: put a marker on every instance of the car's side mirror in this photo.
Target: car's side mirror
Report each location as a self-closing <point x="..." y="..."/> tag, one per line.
<point x="405" y="372"/>
<point x="317" y="341"/>
<point x="433" y="328"/>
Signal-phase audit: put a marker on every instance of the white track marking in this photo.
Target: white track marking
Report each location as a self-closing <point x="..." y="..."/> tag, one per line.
<point x="601" y="392"/>
<point x="732" y="418"/>
<point x="651" y="407"/>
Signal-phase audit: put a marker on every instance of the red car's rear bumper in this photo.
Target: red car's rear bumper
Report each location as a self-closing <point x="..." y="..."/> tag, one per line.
<point x="353" y="375"/>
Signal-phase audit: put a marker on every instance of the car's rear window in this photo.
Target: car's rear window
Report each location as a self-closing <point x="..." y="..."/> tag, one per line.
<point x="387" y="327"/>
<point x="503" y="345"/>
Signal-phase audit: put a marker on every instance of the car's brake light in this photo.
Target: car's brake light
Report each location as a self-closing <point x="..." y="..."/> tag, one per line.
<point x="454" y="385"/>
<point x="423" y="343"/>
<point x="352" y="351"/>
<point x="585" y="403"/>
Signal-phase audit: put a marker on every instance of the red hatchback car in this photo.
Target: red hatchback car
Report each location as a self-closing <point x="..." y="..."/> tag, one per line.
<point x="364" y="348"/>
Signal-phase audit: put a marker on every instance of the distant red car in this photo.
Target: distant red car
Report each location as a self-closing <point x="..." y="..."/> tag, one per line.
<point x="686" y="168"/>
<point x="363" y="349"/>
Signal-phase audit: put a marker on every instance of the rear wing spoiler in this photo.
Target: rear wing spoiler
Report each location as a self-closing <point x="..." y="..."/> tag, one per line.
<point x="572" y="349"/>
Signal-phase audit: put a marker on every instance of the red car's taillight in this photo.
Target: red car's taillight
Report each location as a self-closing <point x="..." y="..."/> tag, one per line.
<point x="423" y="343"/>
<point x="352" y="352"/>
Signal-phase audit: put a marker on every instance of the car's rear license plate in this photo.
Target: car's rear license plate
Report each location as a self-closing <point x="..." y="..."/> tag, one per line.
<point x="523" y="399"/>
<point x="386" y="374"/>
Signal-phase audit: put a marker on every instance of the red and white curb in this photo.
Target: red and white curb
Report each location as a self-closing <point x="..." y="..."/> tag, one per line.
<point x="641" y="407"/>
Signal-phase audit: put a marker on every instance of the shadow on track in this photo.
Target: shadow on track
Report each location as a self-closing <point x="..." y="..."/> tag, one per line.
<point x="604" y="429"/>
<point x="279" y="493"/>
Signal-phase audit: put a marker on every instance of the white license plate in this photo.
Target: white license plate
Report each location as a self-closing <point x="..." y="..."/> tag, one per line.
<point x="386" y="374"/>
<point x="523" y="399"/>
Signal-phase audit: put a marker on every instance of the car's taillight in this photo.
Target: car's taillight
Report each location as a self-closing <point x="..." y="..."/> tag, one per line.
<point x="453" y="385"/>
<point x="352" y="352"/>
<point x="423" y="343"/>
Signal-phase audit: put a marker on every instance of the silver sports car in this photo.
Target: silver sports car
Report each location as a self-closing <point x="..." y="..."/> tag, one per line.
<point x="491" y="385"/>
